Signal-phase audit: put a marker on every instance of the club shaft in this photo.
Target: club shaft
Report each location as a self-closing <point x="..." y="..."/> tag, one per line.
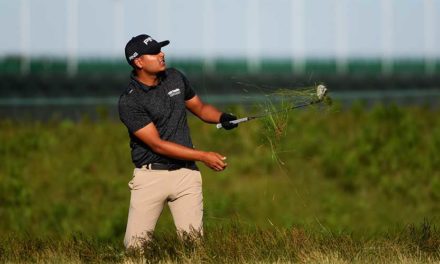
<point x="245" y="119"/>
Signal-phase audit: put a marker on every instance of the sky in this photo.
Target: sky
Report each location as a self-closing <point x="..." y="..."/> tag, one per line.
<point x="224" y="28"/>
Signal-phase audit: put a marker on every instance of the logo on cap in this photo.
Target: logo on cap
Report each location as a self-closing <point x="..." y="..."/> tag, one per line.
<point x="133" y="56"/>
<point x="149" y="39"/>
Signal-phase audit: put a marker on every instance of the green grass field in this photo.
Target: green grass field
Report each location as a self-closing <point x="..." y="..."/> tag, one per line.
<point x="337" y="186"/>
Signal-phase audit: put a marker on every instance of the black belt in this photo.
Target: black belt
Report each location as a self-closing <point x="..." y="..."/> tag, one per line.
<point x="170" y="166"/>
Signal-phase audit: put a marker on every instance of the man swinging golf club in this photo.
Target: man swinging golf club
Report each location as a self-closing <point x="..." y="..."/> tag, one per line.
<point x="153" y="108"/>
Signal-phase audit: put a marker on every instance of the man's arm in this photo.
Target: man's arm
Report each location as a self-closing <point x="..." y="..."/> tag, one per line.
<point x="150" y="136"/>
<point x="205" y="112"/>
<point x="209" y="113"/>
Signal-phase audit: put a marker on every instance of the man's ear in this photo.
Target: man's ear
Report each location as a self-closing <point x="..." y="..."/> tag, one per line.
<point x="137" y="63"/>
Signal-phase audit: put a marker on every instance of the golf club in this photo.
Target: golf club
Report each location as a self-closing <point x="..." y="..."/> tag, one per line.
<point x="321" y="92"/>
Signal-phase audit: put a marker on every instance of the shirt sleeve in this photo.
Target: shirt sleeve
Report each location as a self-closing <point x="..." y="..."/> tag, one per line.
<point x="132" y="114"/>
<point x="189" y="91"/>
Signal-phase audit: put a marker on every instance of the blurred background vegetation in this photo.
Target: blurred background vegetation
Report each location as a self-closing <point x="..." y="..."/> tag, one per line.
<point x="358" y="170"/>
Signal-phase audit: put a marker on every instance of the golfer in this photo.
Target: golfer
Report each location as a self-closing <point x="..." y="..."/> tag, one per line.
<point x="153" y="108"/>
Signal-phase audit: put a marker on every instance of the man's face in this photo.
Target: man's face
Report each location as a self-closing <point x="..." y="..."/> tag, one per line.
<point x="151" y="64"/>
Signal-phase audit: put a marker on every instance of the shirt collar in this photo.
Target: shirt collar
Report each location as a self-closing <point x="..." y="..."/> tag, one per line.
<point x="138" y="84"/>
<point x="142" y="86"/>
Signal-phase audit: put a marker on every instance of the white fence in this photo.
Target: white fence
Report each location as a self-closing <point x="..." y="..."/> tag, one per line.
<point x="208" y="29"/>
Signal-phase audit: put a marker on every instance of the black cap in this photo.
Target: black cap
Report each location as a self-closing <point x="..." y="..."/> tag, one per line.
<point x="142" y="44"/>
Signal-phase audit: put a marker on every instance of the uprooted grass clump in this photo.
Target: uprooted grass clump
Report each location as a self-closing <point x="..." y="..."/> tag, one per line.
<point x="278" y="108"/>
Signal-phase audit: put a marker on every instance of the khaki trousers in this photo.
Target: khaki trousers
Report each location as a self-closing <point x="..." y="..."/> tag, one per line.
<point x="151" y="189"/>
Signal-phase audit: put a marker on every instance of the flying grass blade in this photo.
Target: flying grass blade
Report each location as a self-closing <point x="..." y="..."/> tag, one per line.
<point x="318" y="97"/>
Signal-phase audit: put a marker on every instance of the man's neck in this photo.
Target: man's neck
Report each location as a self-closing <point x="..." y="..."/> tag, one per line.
<point x="147" y="79"/>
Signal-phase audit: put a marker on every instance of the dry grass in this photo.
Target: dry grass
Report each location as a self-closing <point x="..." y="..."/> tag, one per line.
<point x="236" y="243"/>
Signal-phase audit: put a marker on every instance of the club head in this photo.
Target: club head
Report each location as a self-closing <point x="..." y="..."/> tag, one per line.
<point x="321" y="91"/>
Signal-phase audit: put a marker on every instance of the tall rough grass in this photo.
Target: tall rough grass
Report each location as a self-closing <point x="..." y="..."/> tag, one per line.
<point x="235" y="243"/>
<point x="349" y="176"/>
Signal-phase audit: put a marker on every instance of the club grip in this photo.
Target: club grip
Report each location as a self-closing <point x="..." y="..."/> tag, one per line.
<point x="237" y="121"/>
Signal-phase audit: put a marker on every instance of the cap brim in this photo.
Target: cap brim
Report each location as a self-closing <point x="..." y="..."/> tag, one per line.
<point x="164" y="43"/>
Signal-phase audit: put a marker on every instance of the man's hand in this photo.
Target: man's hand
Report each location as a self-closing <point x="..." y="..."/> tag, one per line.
<point x="214" y="161"/>
<point x="224" y="120"/>
<point x="150" y="136"/>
